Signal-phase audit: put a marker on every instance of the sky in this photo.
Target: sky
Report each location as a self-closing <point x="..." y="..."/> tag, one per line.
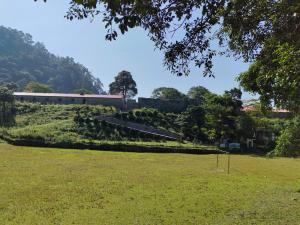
<point x="85" y="42"/>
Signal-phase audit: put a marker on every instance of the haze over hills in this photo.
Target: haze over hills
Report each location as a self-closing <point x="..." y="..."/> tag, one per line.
<point x="22" y="60"/>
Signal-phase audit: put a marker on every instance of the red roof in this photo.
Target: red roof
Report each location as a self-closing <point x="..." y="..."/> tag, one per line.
<point x="252" y="108"/>
<point x="66" y="95"/>
<point x="281" y="110"/>
<point x="248" y="108"/>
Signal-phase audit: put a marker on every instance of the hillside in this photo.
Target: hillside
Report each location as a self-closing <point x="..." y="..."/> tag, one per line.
<point x="22" y="60"/>
<point x="79" y="126"/>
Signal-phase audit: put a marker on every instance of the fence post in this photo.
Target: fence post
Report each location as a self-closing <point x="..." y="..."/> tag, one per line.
<point x="228" y="166"/>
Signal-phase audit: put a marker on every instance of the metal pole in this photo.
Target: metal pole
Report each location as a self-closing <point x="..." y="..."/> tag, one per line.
<point x="228" y="167"/>
<point x="217" y="161"/>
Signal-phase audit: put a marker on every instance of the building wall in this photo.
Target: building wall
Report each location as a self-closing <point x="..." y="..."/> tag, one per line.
<point x="132" y="104"/>
<point x="118" y="103"/>
<point x="163" y="105"/>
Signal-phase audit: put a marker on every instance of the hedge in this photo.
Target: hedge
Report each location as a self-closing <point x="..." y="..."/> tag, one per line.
<point x="109" y="147"/>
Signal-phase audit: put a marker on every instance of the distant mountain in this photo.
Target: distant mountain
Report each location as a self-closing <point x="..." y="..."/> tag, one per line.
<point x="22" y="60"/>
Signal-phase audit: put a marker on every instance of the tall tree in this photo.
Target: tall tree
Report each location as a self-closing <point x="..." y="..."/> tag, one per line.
<point x="191" y="122"/>
<point x="7" y="107"/>
<point x="124" y="85"/>
<point x="222" y="114"/>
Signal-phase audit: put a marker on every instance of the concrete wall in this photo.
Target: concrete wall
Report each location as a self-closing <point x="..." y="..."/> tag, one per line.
<point x="163" y="105"/>
<point x="132" y="104"/>
<point x="118" y="103"/>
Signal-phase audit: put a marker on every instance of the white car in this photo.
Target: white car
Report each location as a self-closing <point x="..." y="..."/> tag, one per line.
<point x="223" y="146"/>
<point x="234" y="146"/>
<point x="231" y="146"/>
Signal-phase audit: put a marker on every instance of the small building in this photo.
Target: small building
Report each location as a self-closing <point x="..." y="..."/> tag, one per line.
<point x="60" y="98"/>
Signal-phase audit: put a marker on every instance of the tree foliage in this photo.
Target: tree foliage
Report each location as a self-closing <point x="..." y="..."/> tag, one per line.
<point x="288" y="143"/>
<point x="37" y="87"/>
<point x="124" y="85"/>
<point x="243" y="26"/>
<point x="276" y="76"/>
<point x="222" y="113"/>
<point x="167" y="93"/>
<point x="22" y="61"/>
<point x="191" y="122"/>
<point x="7" y="107"/>
<point x="198" y="94"/>
<point x="82" y="91"/>
<point x="187" y="32"/>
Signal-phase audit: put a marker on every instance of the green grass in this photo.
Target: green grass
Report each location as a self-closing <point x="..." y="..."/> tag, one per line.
<point x="171" y="144"/>
<point x="51" y="186"/>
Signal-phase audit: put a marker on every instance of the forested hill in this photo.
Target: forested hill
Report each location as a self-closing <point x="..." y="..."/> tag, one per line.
<point x="22" y="60"/>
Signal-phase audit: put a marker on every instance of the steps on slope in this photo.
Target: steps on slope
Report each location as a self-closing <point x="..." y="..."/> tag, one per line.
<point x="139" y="127"/>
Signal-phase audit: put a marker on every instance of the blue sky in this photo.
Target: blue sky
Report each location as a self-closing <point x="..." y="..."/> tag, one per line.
<point x="84" y="41"/>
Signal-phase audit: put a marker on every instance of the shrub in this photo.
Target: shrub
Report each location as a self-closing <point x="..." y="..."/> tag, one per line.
<point x="131" y="116"/>
<point x="96" y="122"/>
<point x="137" y="113"/>
<point x="80" y="121"/>
<point x="124" y="116"/>
<point x="118" y="115"/>
<point x="143" y="114"/>
<point x="288" y="143"/>
<point x="87" y="120"/>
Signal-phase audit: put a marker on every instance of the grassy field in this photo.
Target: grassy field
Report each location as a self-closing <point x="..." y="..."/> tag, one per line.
<point x="52" y="186"/>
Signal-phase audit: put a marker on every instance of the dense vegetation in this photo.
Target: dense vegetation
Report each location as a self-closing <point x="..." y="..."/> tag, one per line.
<point x="151" y="117"/>
<point x="288" y="143"/>
<point x="91" y="127"/>
<point x="7" y="107"/>
<point x="23" y="61"/>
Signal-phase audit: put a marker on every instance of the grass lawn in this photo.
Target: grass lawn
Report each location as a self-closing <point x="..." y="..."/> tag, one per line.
<point x="53" y="186"/>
